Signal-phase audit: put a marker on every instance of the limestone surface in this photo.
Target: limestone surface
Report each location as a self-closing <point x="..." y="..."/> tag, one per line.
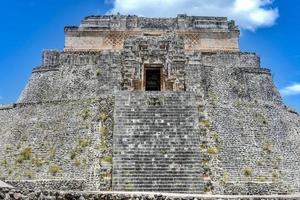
<point x="153" y="105"/>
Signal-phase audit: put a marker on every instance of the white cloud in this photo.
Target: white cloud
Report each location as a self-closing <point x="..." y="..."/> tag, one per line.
<point x="291" y="90"/>
<point x="249" y="14"/>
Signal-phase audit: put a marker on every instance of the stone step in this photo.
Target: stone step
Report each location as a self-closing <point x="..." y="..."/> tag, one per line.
<point x="152" y="169"/>
<point x="156" y="148"/>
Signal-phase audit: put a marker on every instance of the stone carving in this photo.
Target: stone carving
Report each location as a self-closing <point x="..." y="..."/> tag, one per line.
<point x="211" y="120"/>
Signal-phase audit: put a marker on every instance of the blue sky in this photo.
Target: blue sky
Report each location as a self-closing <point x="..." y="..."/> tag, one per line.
<point x="28" y="27"/>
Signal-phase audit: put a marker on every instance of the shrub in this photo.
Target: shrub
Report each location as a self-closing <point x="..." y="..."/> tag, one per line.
<point x="4" y="162"/>
<point x="205" y="123"/>
<point x="84" y="161"/>
<point x="77" y="163"/>
<point x="102" y="146"/>
<point x="208" y="187"/>
<point x="103" y="131"/>
<point x="276" y="175"/>
<point x="248" y="171"/>
<point x="73" y="155"/>
<point x="259" y="163"/>
<point x="212" y="150"/>
<point x="53" y="169"/>
<point x="216" y="137"/>
<point x="107" y="176"/>
<point x="267" y="147"/>
<point x="52" y="153"/>
<point x="107" y="159"/>
<point x="85" y="114"/>
<point x="103" y="116"/>
<point x="83" y="143"/>
<point x="207" y="171"/>
<point x="29" y="174"/>
<point x="25" y="154"/>
<point x="37" y="161"/>
<point x="226" y="178"/>
<point x="262" y="178"/>
<point x="98" y="73"/>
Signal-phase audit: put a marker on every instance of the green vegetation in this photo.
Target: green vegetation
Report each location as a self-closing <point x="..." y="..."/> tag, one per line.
<point x="107" y="176"/>
<point x="25" y="154"/>
<point x="212" y="150"/>
<point x="28" y="174"/>
<point x="206" y="171"/>
<point x="83" y="143"/>
<point x="102" y="146"/>
<point x="214" y="98"/>
<point x="259" y="162"/>
<point x="85" y="114"/>
<point x="77" y="163"/>
<point x="73" y="155"/>
<point x="205" y="161"/>
<point x="106" y="159"/>
<point x="276" y="175"/>
<point x="98" y="72"/>
<point x="208" y="187"/>
<point x="226" y="178"/>
<point x="216" y="137"/>
<point x="38" y="162"/>
<point x="267" y="147"/>
<point x="104" y="116"/>
<point x="262" y="178"/>
<point x="103" y="131"/>
<point x="53" y="169"/>
<point x="238" y="104"/>
<point x="261" y="118"/>
<point x="8" y="147"/>
<point x="290" y="190"/>
<point x="205" y="123"/>
<point x="248" y="171"/>
<point x="203" y="145"/>
<point x="52" y="153"/>
<point x="4" y="162"/>
<point x="84" y="161"/>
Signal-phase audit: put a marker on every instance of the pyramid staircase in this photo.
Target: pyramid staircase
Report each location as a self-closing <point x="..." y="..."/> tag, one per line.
<point x="156" y="143"/>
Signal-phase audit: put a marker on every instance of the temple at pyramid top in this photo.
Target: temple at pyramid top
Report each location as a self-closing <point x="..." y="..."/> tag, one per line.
<point x="108" y="32"/>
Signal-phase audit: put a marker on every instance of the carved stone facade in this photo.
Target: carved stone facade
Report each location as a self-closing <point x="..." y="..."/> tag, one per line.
<point x="164" y="53"/>
<point x="110" y="32"/>
<point x="151" y="104"/>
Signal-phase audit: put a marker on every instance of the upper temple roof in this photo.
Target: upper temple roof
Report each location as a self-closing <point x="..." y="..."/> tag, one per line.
<point x="109" y="32"/>
<point x="181" y="22"/>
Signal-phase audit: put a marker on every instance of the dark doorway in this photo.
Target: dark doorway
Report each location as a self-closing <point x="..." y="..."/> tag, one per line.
<point x="153" y="79"/>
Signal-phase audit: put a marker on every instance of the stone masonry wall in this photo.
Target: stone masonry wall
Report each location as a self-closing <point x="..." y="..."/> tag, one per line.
<point x="253" y="148"/>
<point x="110" y="32"/>
<point x="166" y="51"/>
<point x="230" y="77"/>
<point x="13" y="194"/>
<point x="58" y="144"/>
<point x="107" y="40"/>
<point x="80" y="125"/>
<point x="73" y="75"/>
<point x="248" y="123"/>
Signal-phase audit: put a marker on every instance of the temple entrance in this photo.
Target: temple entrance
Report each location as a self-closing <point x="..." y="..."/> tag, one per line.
<point x="153" y="79"/>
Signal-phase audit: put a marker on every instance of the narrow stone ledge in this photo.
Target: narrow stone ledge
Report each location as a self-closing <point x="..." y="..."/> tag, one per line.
<point x="251" y="70"/>
<point x="44" y="69"/>
<point x="72" y="184"/>
<point x="7" y="106"/>
<point x="30" y="195"/>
